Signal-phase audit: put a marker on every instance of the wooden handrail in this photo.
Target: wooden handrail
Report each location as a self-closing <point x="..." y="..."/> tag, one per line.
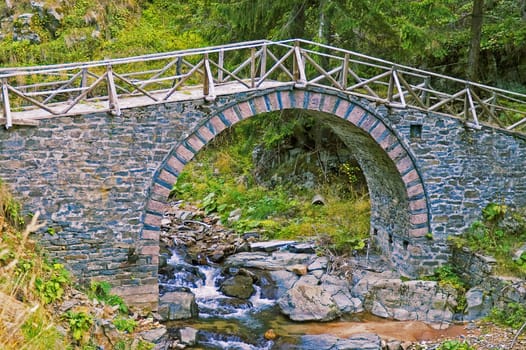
<point x="62" y="89"/>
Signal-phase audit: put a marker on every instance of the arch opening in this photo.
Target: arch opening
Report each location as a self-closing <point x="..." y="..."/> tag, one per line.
<point x="399" y="213"/>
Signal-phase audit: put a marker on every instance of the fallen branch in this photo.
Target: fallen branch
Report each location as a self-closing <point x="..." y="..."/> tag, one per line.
<point x="517" y="335"/>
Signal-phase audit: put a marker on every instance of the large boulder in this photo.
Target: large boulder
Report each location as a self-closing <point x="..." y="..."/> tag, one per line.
<point x="284" y="280"/>
<point x="478" y="304"/>
<point x="410" y="300"/>
<point x="238" y="286"/>
<point x="309" y="302"/>
<point x="177" y="305"/>
<point x="278" y="260"/>
<point x="188" y="335"/>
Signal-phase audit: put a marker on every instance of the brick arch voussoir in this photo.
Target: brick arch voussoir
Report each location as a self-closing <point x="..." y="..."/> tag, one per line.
<point x="274" y="101"/>
<point x="385" y="137"/>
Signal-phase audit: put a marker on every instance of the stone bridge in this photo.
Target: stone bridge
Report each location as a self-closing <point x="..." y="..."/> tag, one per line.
<point x="102" y="180"/>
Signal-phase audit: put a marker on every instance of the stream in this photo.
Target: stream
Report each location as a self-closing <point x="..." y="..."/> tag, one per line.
<point x="257" y="323"/>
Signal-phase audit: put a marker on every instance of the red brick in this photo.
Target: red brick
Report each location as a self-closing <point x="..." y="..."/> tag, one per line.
<point x="417" y="219"/>
<point x="245" y="110"/>
<point x="152" y="220"/>
<point x="404" y="164"/>
<point x="161" y="190"/>
<point x="396" y="152"/>
<point x="415" y="190"/>
<point x="217" y="124"/>
<point x="150" y="250"/>
<point x="156" y="206"/>
<point x="388" y="141"/>
<point x="355" y="115"/>
<point x="378" y="131"/>
<point x="274" y="103"/>
<point x="175" y="164"/>
<point x="150" y="235"/>
<point x="260" y="105"/>
<point x="342" y="109"/>
<point x="231" y="115"/>
<point x="314" y="101"/>
<point x="299" y="97"/>
<point x="418" y="205"/>
<point x="418" y="232"/>
<point x="410" y="176"/>
<point x="368" y="122"/>
<point x="167" y="177"/>
<point x="184" y="153"/>
<point x="329" y="103"/>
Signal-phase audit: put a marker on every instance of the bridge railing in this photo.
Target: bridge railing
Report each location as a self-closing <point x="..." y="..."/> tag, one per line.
<point x="33" y="93"/>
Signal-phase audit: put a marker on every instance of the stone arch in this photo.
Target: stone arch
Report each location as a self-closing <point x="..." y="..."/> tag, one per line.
<point x="401" y="240"/>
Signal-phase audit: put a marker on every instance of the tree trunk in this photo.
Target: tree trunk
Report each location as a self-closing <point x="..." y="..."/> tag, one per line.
<point x="476" y="31"/>
<point x="297" y="26"/>
<point x="8" y="4"/>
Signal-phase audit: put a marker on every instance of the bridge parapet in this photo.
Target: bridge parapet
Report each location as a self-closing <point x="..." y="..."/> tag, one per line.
<point x="33" y="93"/>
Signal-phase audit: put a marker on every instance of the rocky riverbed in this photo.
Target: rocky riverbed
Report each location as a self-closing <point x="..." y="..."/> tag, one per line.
<point x="243" y="284"/>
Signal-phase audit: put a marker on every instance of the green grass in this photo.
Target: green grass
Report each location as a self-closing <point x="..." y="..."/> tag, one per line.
<point x="220" y="180"/>
<point x="499" y="233"/>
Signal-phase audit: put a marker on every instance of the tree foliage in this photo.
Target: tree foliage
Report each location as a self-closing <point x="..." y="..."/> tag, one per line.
<point x="432" y="34"/>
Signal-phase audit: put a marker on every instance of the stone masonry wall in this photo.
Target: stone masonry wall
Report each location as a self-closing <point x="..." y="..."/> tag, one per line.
<point x="463" y="169"/>
<point x="101" y="181"/>
<point x="89" y="177"/>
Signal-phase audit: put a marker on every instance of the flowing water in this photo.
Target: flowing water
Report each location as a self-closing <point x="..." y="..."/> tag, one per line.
<point x="235" y="324"/>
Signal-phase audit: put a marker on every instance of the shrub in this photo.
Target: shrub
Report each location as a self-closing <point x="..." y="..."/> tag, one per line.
<point x="79" y="323"/>
<point x="512" y="314"/>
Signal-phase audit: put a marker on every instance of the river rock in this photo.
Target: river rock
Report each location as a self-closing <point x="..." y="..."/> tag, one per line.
<point x="298" y="269"/>
<point x="417" y="300"/>
<point x="284" y="280"/>
<point x="267" y="286"/>
<point x="177" y="306"/>
<point x="272" y="262"/>
<point x="188" y="335"/>
<point x="308" y="248"/>
<point x="320" y="263"/>
<point x="154" y="335"/>
<point x="269" y="246"/>
<point x="367" y="341"/>
<point x="239" y="286"/>
<point x="478" y="304"/>
<point x="308" y="302"/>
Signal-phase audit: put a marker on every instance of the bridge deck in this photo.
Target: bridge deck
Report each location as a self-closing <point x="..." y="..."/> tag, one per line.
<point x="31" y="116"/>
<point x="33" y="93"/>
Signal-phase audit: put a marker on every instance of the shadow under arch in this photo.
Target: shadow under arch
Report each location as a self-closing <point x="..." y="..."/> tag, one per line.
<point x="400" y="215"/>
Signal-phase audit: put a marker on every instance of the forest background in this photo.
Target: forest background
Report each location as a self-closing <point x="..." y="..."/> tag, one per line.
<point x="481" y="40"/>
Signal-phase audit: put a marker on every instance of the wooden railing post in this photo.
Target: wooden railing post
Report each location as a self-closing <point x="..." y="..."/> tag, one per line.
<point x="493" y="102"/>
<point x="470" y="105"/>
<point x="84" y="78"/>
<point x="298" y="68"/>
<point x="113" y="102"/>
<point x="263" y="63"/>
<point x="221" y="66"/>
<point x="253" y="67"/>
<point x="390" y="88"/>
<point x="345" y="71"/>
<point x="7" y="106"/>
<point x="424" y="96"/>
<point x="208" y="81"/>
